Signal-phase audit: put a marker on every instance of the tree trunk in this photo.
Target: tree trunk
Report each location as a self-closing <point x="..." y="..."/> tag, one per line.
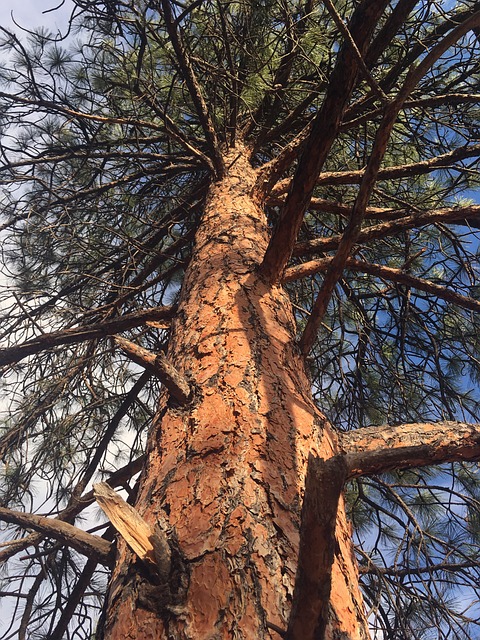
<point x="225" y="474"/>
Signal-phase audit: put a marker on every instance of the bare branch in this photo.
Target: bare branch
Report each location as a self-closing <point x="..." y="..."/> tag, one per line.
<point x="117" y="478"/>
<point x="373" y="450"/>
<point x="75" y="597"/>
<point x="323" y="487"/>
<point x="85" y="543"/>
<point x="83" y="333"/>
<point x="151" y="546"/>
<point x="377" y="90"/>
<point x="158" y="364"/>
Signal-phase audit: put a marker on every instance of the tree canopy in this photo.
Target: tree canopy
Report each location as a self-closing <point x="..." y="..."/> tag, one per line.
<point x="361" y="119"/>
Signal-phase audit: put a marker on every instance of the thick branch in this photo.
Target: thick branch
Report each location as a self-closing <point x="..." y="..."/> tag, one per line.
<point x="322" y="135"/>
<point x="387" y="273"/>
<point x="83" y="333"/>
<point x="88" y="545"/>
<point x="373" y="450"/>
<point x="382" y="136"/>
<point x="323" y="486"/>
<point x="158" y="364"/>
<point x="358" y="56"/>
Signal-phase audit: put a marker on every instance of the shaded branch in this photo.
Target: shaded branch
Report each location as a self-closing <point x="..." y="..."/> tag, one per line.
<point x="342" y="27"/>
<point x="188" y="74"/>
<point x="88" y="545"/>
<point x="448" y="567"/>
<point x="83" y="333"/>
<point x="387" y="273"/>
<point x="433" y="101"/>
<point x="460" y="215"/>
<point x="329" y="206"/>
<point x="311" y="596"/>
<point x="73" y="601"/>
<point x="158" y="364"/>
<point x="318" y="144"/>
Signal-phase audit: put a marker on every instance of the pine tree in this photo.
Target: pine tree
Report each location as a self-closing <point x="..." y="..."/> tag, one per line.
<point x="239" y="319"/>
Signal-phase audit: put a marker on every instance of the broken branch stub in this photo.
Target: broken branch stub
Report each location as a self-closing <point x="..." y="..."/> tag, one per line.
<point x="151" y="546"/>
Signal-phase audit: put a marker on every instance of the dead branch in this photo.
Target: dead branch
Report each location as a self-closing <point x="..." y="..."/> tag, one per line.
<point x="88" y="545"/>
<point x="158" y="364"/>
<point x="83" y="333"/>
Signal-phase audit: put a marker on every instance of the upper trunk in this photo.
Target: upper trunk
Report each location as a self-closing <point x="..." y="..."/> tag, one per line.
<point x="225" y="475"/>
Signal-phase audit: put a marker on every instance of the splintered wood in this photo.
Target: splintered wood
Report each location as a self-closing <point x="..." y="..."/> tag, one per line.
<point x="133" y="529"/>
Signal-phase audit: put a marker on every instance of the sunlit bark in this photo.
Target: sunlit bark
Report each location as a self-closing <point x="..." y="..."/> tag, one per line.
<point x="225" y="474"/>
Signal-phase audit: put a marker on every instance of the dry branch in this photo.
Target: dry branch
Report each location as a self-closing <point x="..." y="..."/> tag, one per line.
<point x="158" y="364"/>
<point x="88" y="545"/>
<point x="118" y="478"/>
<point x="150" y="546"/>
<point x="83" y="333"/>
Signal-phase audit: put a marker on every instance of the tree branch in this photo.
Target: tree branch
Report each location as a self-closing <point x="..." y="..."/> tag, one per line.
<point x="158" y="364"/>
<point x="320" y="245"/>
<point x="118" y="478"/>
<point x="322" y="135"/>
<point x="73" y="600"/>
<point x="431" y="101"/>
<point x="88" y="545"/>
<point x="329" y="206"/>
<point x="83" y="333"/>
<point x="387" y="273"/>
<point x="373" y="450"/>
<point x="358" y="56"/>
<point x="323" y="486"/>
<point x="443" y="161"/>
<point x="150" y="545"/>
<point x="188" y="74"/>
<point x="447" y="567"/>
<point x="382" y="136"/>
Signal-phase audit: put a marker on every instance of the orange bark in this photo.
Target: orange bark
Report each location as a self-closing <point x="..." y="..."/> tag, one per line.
<point x="226" y="473"/>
